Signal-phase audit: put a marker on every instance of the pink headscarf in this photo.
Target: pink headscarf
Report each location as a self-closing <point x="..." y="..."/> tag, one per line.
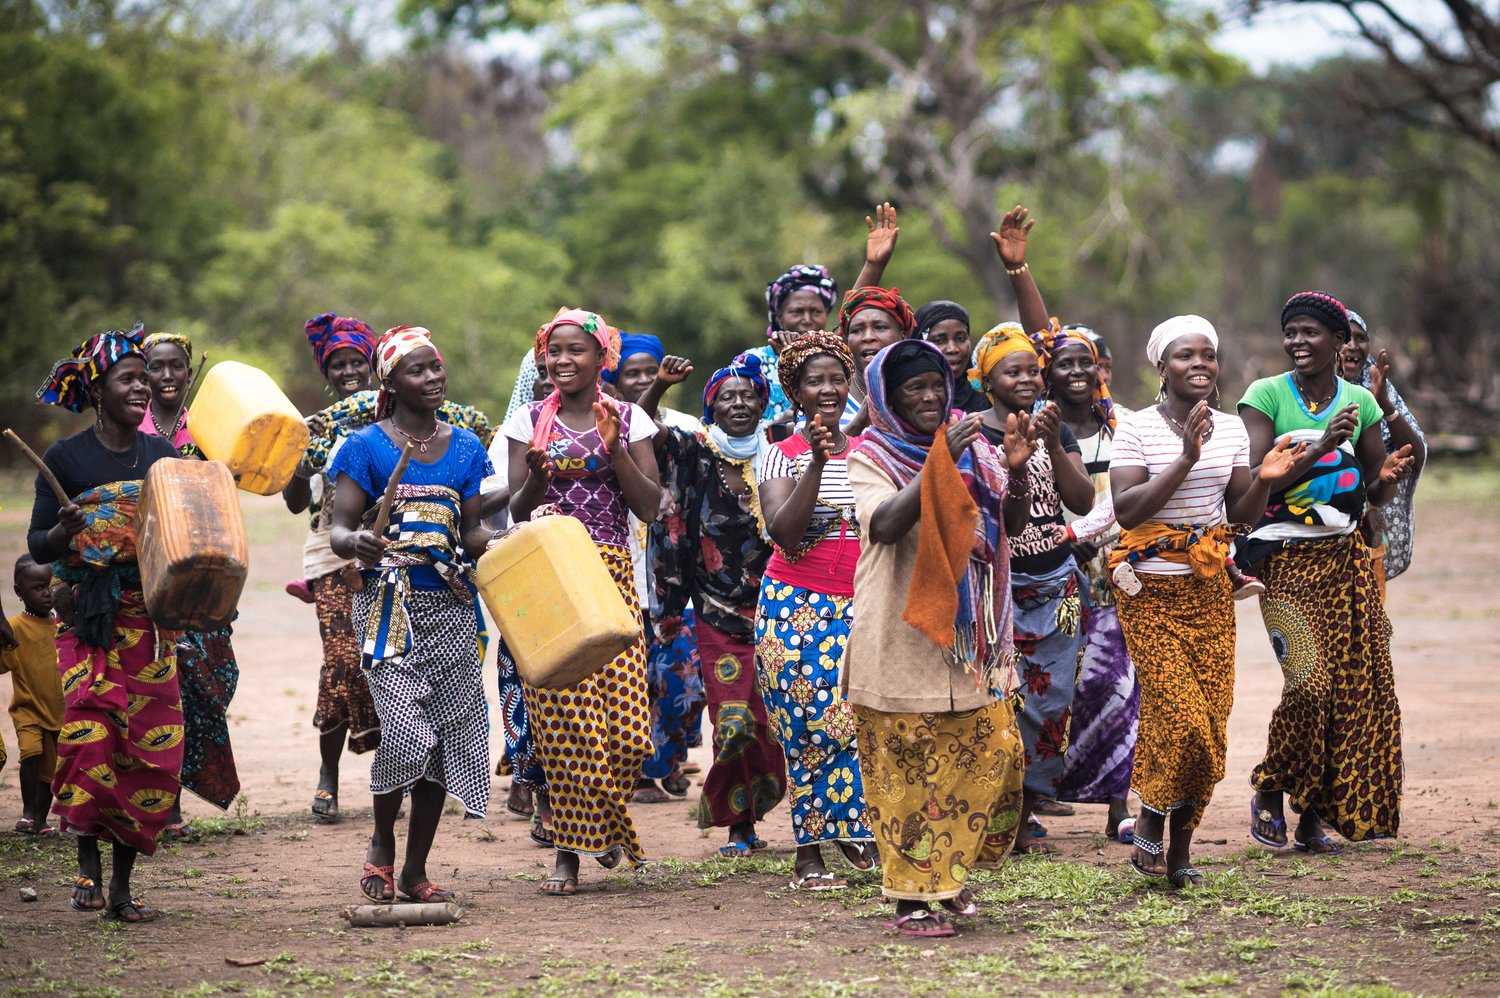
<point x="609" y="341"/>
<point x="394" y="344"/>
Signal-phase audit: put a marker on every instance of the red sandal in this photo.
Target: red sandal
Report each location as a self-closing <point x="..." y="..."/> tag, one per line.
<point x="384" y="874"/>
<point x="426" y="892"/>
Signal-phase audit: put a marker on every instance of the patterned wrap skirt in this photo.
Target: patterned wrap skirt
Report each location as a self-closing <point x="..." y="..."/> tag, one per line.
<point x="208" y="674"/>
<point x="592" y="738"/>
<point x="944" y="794"/>
<point x="119" y="751"/>
<point x="1106" y="712"/>
<point x="1334" y="744"/>
<point x="800" y="639"/>
<point x="748" y="777"/>
<point x="519" y="758"/>
<point x="434" y="722"/>
<point x="1049" y="636"/>
<point x="1180" y="632"/>
<point x="677" y="699"/>
<point x="343" y="695"/>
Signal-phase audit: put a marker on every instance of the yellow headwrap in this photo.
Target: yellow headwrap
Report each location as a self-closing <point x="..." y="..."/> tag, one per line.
<point x="1001" y="341"/>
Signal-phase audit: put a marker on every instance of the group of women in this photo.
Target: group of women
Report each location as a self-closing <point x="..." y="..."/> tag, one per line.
<point x="920" y="580"/>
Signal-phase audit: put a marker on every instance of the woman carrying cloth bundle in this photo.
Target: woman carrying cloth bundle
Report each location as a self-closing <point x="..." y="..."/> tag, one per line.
<point x="712" y="548"/>
<point x="931" y="654"/>
<point x="588" y="457"/>
<point x="120" y="747"/>
<point x="1334" y="742"/>
<point x="1178" y="467"/>
<point x="417" y="612"/>
<point x="806" y="607"/>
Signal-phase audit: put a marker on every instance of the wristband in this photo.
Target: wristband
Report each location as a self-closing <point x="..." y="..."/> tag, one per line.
<point x="1023" y="268"/>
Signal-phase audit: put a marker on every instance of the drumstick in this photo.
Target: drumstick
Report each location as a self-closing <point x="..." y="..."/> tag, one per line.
<point x="383" y="515"/>
<point x="62" y="495"/>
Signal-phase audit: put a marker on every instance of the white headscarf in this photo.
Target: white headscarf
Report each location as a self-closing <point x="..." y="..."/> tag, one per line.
<point x="1174" y="329"/>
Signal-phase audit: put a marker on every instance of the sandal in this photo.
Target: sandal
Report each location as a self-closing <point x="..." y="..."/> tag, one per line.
<point x="427" y="892"/>
<point x="924" y="924"/>
<point x="647" y="792"/>
<point x="382" y="874"/>
<point x="177" y="832"/>
<point x="518" y="801"/>
<point x="757" y="843"/>
<point x="47" y="830"/>
<point x="26" y="826"/>
<point x="559" y="886"/>
<point x="1052" y="808"/>
<point x="1318" y="845"/>
<point x="964" y="905"/>
<point x="824" y="881"/>
<point x="1150" y="848"/>
<point x="611" y="859"/>
<point x="1035" y="828"/>
<point x="1036" y="847"/>
<point x="862" y="858"/>
<point x="325" y="805"/>
<point x="1260" y="817"/>
<point x="132" y="911"/>
<point x="677" y="784"/>
<point x="734" y="850"/>
<point x="541" y="831"/>
<point x="1185" y="878"/>
<point x="92" y="891"/>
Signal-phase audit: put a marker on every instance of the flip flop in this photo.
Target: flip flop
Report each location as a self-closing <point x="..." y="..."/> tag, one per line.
<point x="325" y="806"/>
<point x="757" y="843"/>
<point x="518" y="800"/>
<point x="964" y="905"/>
<point x="824" y="881"/>
<point x="566" y="886"/>
<point x="132" y="912"/>
<point x="1263" y="815"/>
<point x="1183" y="879"/>
<point x="426" y="891"/>
<point x="1329" y="847"/>
<point x="864" y="853"/>
<point x="923" y="924"/>
<point x="1150" y="848"/>
<point x="650" y="794"/>
<point x="176" y="832"/>
<point x="86" y="884"/>
<point x="26" y="826"/>
<point x="677" y="784"/>
<point x="541" y="834"/>
<point x="734" y="850"/>
<point x="611" y="859"/>
<point x="384" y="874"/>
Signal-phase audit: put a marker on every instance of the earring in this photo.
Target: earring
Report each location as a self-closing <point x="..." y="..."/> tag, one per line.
<point x="1161" y="391"/>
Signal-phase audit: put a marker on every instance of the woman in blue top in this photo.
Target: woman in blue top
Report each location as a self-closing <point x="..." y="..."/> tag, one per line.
<point x="1335" y="739"/>
<point x="417" y="615"/>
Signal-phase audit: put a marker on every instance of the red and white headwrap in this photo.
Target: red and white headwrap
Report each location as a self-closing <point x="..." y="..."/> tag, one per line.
<point x="395" y="343"/>
<point x="609" y="341"/>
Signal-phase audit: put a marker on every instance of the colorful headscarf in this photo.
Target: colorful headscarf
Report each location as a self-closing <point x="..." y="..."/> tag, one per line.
<point x="888" y="300"/>
<point x="327" y="333"/>
<point x="1321" y="306"/>
<point x="1053" y="340"/>
<point x="632" y="344"/>
<point x="796" y="354"/>
<point x="983" y="624"/>
<point x="608" y="338"/>
<point x="933" y="312"/>
<point x="809" y="276"/>
<point x="176" y="339"/>
<point x="747" y="366"/>
<point x="395" y="343"/>
<point x="68" y="384"/>
<point x="999" y="341"/>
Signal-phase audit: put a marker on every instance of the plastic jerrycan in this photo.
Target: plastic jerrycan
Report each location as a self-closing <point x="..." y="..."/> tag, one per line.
<point x="242" y="418"/>
<point x="191" y="545"/>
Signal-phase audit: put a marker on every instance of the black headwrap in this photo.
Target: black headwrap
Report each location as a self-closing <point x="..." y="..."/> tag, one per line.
<point x="910" y="358"/>
<point x="933" y="312"/>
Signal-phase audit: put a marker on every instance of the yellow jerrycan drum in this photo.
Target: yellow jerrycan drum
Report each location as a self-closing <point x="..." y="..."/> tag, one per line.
<point x="191" y="545"/>
<point x="552" y="597"/>
<point x="241" y="417"/>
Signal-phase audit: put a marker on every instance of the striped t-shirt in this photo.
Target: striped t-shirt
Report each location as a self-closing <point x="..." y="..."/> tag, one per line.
<point x="1145" y="439"/>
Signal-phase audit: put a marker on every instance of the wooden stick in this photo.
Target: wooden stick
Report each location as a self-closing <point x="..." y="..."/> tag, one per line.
<point x="63" y="498"/>
<point x="398" y="915"/>
<point x="383" y="515"/>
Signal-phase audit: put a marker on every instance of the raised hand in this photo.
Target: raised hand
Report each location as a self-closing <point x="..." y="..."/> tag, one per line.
<point x="1020" y="441"/>
<point x="780" y="339"/>
<point x="607" y="422"/>
<point x="674" y="370"/>
<point x="1280" y="460"/>
<point x="1397" y="466"/>
<point x="1047" y="424"/>
<point x="880" y="244"/>
<point x="820" y="438"/>
<point x="1195" y="431"/>
<point x="1380" y="375"/>
<point x="961" y="433"/>
<point x="1010" y="241"/>
<point x="1340" y="428"/>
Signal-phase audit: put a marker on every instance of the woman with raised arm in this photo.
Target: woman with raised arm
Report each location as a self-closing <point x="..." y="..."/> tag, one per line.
<point x="119" y="751"/>
<point x="587" y="456"/>
<point x="418" y="611"/>
<point x="1334" y="742"/>
<point x="806" y="607"/>
<point x="1180" y="476"/>
<point x="931" y="654"/>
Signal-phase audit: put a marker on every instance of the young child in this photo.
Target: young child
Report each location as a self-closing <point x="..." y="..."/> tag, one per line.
<point x="36" y="703"/>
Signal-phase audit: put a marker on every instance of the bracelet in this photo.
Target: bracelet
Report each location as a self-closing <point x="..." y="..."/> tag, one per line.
<point x="1023" y="268"/>
<point x="1018" y="486"/>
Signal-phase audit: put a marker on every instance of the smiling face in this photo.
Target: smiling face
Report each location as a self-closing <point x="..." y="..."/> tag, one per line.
<point x="1311" y="345"/>
<point x="574" y="360"/>
<point x="803" y="311"/>
<point x="124" y="393"/>
<point x="1016" y="380"/>
<point x="823" y="389"/>
<point x="348" y="372"/>
<point x="870" y="331"/>
<point x="952" y="337"/>
<point x="419" y="381"/>
<point x="737" y="407"/>
<point x="1190" y="367"/>
<point x="635" y="375"/>
<point x="922" y="401"/>
<point x="1072" y="374"/>
<point x="1352" y="357"/>
<point x="167" y="368"/>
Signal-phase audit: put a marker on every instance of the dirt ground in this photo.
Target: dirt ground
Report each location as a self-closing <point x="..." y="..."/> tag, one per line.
<point x="265" y="883"/>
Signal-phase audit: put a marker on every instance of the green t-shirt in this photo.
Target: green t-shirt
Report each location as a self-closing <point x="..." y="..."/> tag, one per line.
<point x="1280" y="400"/>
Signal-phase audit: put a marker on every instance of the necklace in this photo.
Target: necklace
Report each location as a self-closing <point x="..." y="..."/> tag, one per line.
<point x="421" y="442"/>
<point x="176" y="423"/>
<point x="1311" y="405"/>
<point x="719" y="463"/>
<point x="1181" y="428"/>
<point x="135" y="450"/>
<point x="842" y="450"/>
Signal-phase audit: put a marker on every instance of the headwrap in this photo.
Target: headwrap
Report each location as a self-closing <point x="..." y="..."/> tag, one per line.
<point x="808" y="276"/>
<point x="1101" y="348"/>
<point x="525" y="384"/>
<point x="68" y="384"/>
<point x="796" y="354"/>
<point x="176" y="339"/>
<point x="592" y="323"/>
<point x="1000" y="341"/>
<point x="327" y="333"/>
<point x="747" y="366"/>
<point x="1321" y="306"/>
<point x="1175" y="329"/>
<point x="933" y="312"/>
<point x="753" y="446"/>
<point x="888" y="300"/>
<point x="1355" y="319"/>
<point x="1053" y="340"/>
<point x="982" y="637"/>
<point x="909" y="362"/>
<point x="394" y="344"/>
<point x="632" y="344"/>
